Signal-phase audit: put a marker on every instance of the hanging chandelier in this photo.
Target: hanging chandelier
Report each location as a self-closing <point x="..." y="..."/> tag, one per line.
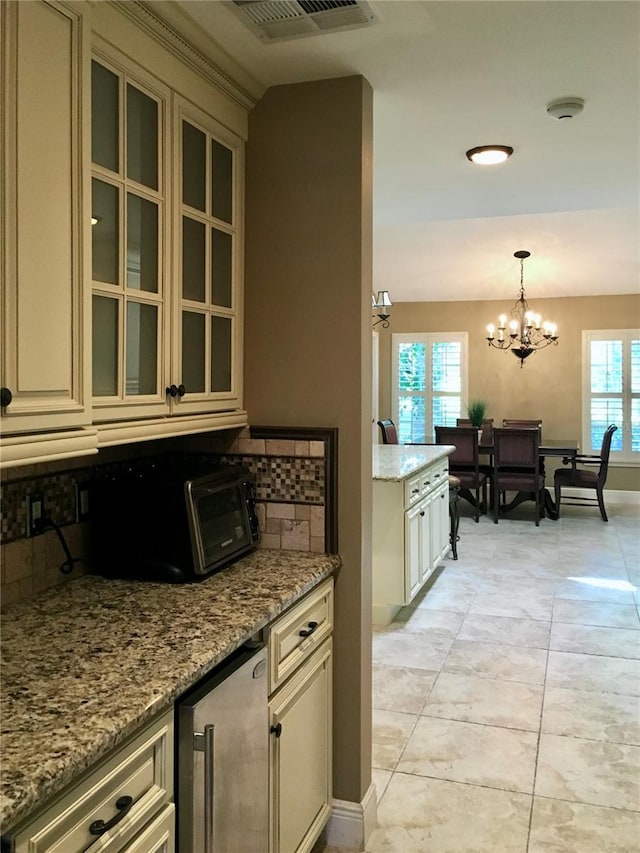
<point x="526" y="333"/>
<point x="381" y="307"/>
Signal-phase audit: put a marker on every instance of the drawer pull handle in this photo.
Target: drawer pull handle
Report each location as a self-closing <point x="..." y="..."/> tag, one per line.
<point x="421" y="512"/>
<point x="276" y="730"/>
<point x="414" y="491"/>
<point x="306" y="632"/>
<point x="99" y="827"/>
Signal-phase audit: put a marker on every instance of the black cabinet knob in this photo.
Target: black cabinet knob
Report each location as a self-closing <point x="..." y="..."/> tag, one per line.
<point x="276" y="730"/>
<point x="306" y="632"/>
<point x="5" y="396"/>
<point x="176" y="390"/>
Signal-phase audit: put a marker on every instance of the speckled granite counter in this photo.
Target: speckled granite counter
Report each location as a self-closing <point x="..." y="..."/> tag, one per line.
<point x="86" y="663"/>
<point x="397" y="461"/>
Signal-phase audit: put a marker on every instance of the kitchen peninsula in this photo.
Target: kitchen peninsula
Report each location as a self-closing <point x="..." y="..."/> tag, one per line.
<point x="410" y="522"/>
<point x="87" y="664"/>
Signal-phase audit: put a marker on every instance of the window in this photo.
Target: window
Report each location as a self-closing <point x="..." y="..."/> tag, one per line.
<point x="429" y="383"/>
<point x="611" y="392"/>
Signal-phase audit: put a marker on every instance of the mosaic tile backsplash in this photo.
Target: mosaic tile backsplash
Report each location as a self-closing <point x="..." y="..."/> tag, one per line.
<point x="290" y="492"/>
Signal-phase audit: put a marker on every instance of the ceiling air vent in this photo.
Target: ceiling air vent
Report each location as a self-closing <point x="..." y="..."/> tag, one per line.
<point x="276" y="20"/>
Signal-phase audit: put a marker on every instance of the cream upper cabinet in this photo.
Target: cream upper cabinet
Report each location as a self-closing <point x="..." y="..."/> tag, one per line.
<point x="45" y="205"/>
<point x="207" y="348"/>
<point x="166" y="251"/>
<point x="130" y="242"/>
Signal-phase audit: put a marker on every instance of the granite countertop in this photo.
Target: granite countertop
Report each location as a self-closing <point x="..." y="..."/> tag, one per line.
<point x="86" y="663"/>
<point x="395" y="462"/>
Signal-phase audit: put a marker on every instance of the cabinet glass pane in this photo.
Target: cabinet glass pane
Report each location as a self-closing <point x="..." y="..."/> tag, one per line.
<point x="142" y="244"/>
<point x="194" y="152"/>
<point x="105" y="346"/>
<point x="193" y="257"/>
<point x="104" y="117"/>
<point x="142" y="347"/>
<point x="221" y="244"/>
<point x="193" y="349"/>
<point x="220" y="354"/>
<point x="104" y="233"/>
<point x="142" y="138"/>
<point x="221" y="181"/>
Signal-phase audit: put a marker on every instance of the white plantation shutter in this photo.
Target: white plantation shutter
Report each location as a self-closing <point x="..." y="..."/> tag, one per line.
<point x="429" y="383"/>
<point x="611" y="367"/>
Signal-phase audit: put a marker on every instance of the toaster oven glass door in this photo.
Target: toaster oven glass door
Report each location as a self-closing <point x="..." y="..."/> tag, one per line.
<point x="220" y="524"/>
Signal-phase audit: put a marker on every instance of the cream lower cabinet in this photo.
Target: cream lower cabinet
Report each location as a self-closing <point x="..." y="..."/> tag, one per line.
<point x="300" y="714"/>
<point x="410" y="536"/>
<point x="122" y="806"/>
<point x="44" y="188"/>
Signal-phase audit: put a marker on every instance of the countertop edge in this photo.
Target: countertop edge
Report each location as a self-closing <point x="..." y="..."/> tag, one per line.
<point x="393" y="463"/>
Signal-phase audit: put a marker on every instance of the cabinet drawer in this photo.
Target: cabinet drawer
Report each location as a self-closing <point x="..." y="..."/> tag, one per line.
<point x="438" y="474"/>
<point x="412" y="490"/>
<point x="159" y="836"/>
<point x="142" y="770"/>
<point x="296" y="634"/>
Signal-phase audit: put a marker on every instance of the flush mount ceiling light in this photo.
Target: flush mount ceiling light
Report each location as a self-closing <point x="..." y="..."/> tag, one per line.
<point x="489" y="155"/>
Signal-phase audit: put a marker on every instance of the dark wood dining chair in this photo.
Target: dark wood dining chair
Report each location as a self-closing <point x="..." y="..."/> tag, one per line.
<point x="389" y="432"/>
<point x="487" y="428"/>
<point x="516" y="466"/>
<point x="464" y="464"/>
<point x="507" y="423"/>
<point x="583" y="478"/>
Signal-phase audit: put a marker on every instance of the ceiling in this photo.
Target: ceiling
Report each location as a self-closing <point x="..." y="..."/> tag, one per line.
<point x="451" y="75"/>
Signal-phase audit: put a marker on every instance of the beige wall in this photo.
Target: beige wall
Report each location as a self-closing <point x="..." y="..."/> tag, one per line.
<point x="549" y="386"/>
<point x="307" y="340"/>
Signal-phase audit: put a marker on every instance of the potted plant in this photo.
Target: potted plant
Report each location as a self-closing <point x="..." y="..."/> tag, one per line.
<point x="476" y="411"/>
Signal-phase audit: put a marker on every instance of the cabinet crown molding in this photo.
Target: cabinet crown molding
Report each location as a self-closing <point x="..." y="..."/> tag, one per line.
<point x="146" y="18"/>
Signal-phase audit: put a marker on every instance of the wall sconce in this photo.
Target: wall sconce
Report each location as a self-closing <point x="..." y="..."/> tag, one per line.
<point x="381" y="305"/>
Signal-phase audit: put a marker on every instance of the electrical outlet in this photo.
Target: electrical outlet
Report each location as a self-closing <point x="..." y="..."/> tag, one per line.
<point x="82" y="501"/>
<point x="35" y="514"/>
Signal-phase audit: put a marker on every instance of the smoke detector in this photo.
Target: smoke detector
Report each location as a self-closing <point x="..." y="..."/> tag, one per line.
<point x="277" y="20"/>
<point x="563" y="108"/>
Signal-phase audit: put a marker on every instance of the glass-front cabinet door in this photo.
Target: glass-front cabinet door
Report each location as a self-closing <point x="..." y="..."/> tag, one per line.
<point x="129" y="245"/>
<point x="206" y="344"/>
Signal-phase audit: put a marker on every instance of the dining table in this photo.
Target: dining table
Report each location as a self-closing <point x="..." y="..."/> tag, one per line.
<point x="565" y="448"/>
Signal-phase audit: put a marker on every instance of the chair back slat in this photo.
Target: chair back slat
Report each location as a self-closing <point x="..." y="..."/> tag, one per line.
<point x="487" y="428"/>
<point x="605" y="450"/>
<point x="389" y="432"/>
<point x="508" y="423"/>
<point x="464" y="439"/>
<point x="516" y="448"/>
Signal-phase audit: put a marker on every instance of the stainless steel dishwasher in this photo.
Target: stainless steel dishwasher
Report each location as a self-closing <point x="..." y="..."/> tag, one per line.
<point x="223" y="759"/>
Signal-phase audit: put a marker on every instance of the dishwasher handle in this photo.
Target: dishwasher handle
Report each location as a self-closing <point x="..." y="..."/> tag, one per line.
<point x="203" y="742"/>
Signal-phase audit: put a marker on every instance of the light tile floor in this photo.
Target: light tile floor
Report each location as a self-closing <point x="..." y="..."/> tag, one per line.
<point x="506" y="701"/>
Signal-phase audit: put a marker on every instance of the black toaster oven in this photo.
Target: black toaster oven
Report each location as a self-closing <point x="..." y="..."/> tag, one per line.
<point x="173" y="518"/>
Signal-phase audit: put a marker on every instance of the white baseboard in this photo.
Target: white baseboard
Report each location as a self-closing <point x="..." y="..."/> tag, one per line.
<point x="614" y="496"/>
<point x="351" y="824"/>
